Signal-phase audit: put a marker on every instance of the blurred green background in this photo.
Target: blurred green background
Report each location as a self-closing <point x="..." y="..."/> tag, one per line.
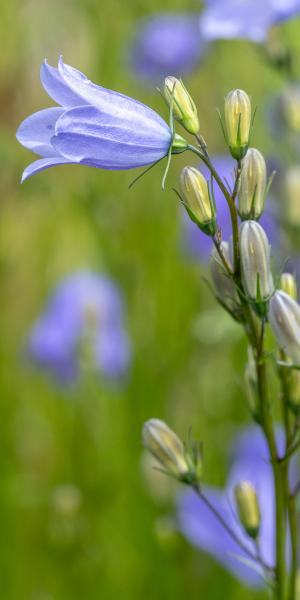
<point x="78" y="519"/>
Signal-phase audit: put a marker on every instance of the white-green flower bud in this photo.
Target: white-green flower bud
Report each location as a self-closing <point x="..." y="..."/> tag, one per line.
<point x="197" y="200"/>
<point x="224" y="286"/>
<point x="284" y="319"/>
<point x="237" y="113"/>
<point x="248" y="508"/>
<point x="291" y="208"/>
<point x="288" y="284"/>
<point x="184" y="109"/>
<point x="253" y="183"/>
<point x="166" y="447"/>
<point x="255" y="262"/>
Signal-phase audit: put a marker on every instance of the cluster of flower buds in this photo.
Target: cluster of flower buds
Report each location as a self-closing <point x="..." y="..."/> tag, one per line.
<point x="180" y="461"/>
<point x="248" y="508"/>
<point x="198" y="200"/>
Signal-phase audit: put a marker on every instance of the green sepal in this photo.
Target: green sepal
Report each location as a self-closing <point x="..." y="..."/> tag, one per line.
<point x="239" y="152"/>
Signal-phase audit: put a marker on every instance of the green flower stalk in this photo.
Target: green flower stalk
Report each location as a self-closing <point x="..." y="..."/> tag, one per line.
<point x="251" y="385"/>
<point x="223" y="283"/>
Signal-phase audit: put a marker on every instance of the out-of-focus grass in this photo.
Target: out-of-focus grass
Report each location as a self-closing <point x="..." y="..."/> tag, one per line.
<point x="76" y="518"/>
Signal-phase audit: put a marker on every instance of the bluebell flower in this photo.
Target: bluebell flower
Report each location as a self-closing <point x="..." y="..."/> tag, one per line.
<point x="245" y="19"/>
<point x="249" y="461"/>
<point x="166" y="44"/>
<point x="92" y="126"/>
<point x="199" y="245"/>
<point x="83" y="321"/>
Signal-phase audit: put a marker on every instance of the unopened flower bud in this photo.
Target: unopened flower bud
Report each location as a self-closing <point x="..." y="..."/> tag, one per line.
<point x="288" y="284"/>
<point x="253" y="183"/>
<point x="224" y="286"/>
<point x="248" y="508"/>
<point x="237" y="122"/>
<point x="291" y="210"/>
<point x="255" y="262"/>
<point x="166" y="447"/>
<point x="284" y="319"/>
<point x="197" y="200"/>
<point x="184" y="109"/>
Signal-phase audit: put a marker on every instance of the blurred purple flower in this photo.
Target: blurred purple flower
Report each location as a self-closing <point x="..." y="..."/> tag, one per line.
<point x="94" y="126"/>
<point x="200" y="245"/>
<point x="249" y="462"/>
<point x="245" y="19"/>
<point x="166" y="44"/>
<point x="82" y="320"/>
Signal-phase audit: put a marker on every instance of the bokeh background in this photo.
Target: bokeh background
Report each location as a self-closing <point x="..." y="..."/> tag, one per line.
<point x="79" y="516"/>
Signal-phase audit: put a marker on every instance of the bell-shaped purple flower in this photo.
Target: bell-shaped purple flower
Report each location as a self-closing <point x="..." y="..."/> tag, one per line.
<point x="166" y="43"/>
<point x="250" y="463"/>
<point x="82" y="323"/>
<point x="93" y="126"/>
<point x="245" y="19"/>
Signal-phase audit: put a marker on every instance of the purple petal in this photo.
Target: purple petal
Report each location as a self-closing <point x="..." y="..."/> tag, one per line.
<point x="110" y="102"/>
<point x="112" y="352"/>
<point x="43" y="163"/>
<point x="203" y="529"/>
<point x="85" y="134"/>
<point x="57" y="88"/>
<point x="37" y="130"/>
<point x="285" y="9"/>
<point x="236" y="19"/>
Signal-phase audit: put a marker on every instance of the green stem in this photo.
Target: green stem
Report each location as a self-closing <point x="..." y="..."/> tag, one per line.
<point x="267" y="426"/>
<point x="289" y="497"/>
<point x="256" y="557"/>
<point x="257" y="341"/>
<point x="232" y="208"/>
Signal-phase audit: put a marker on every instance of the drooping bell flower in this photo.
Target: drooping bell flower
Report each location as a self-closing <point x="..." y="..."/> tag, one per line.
<point x="93" y="126"/>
